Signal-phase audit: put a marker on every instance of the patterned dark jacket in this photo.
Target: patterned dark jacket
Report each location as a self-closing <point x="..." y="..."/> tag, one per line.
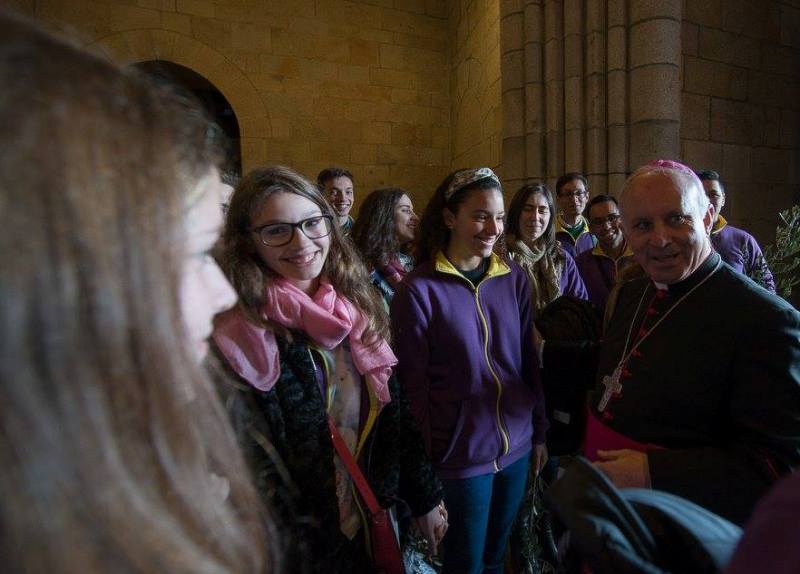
<point x="299" y="484"/>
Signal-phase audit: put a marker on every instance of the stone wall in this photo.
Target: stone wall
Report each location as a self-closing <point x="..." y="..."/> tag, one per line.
<point x="591" y="85"/>
<point x="402" y="91"/>
<point x="363" y="84"/>
<point x="474" y="67"/>
<point x="741" y="104"/>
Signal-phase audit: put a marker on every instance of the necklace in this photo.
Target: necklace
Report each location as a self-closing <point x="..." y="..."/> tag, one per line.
<point x="611" y="382"/>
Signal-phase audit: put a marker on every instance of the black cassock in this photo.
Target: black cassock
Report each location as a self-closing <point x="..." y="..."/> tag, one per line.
<point x="716" y="384"/>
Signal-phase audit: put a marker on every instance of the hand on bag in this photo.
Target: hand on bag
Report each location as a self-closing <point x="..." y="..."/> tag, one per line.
<point x="626" y="468"/>
<point x="433" y="526"/>
<point x="539" y="457"/>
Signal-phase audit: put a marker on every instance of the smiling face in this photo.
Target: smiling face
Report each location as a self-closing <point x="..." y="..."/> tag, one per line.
<point x="204" y="291"/>
<point x="534" y="217"/>
<point x="665" y="225"/>
<point x="572" y="199"/>
<point x="475" y="228"/>
<point x="405" y="220"/>
<point x="715" y="194"/>
<point x="301" y="260"/>
<point x="604" y="222"/>
<point x="340" y="194"/>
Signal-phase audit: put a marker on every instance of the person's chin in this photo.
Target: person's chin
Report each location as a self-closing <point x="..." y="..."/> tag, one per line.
<point x="666" y="272"/>
<point x="484" y="249"/>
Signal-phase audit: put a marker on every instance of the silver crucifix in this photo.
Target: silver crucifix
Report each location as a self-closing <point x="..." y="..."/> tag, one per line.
<point x="612" y="387"/>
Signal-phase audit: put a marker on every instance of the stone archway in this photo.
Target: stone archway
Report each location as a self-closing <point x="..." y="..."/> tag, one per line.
<point x="136" y="46"/>
<point x="215" y="103"/>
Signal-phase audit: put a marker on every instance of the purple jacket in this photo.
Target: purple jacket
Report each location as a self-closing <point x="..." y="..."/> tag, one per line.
<point x="572" y="283"/>
<point x="468" y="367"/>
<point x="769" y="543"/>
<point x="740" y="250"/>
<point x="599" y="272"/>
<point x="572" y="246"/>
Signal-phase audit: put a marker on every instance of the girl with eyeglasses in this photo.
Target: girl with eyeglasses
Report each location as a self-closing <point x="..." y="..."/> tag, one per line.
<point x="310" y="340"/>
<point x="464" y="336"/>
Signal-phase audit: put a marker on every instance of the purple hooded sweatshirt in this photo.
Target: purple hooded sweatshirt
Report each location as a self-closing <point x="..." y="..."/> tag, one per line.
<point x="740" y="250"/>
<point x="468" y="367"/>
<point x="574" y="247"/>
<point x="599" y="272"/>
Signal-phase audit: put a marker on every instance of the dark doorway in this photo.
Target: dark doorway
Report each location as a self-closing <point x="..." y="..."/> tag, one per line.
<point x="212" y="99"/>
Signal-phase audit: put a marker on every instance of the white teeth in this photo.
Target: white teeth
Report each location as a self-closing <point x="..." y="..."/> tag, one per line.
<point x="302" y="259"/>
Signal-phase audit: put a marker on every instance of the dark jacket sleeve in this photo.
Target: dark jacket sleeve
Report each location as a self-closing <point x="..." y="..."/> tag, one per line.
<point x="397" y="462"/>
<point x="763" y="441"/>
<point x="410" y="333"/>
<point x="571" y="281"/>
<point x="530" y="360"/>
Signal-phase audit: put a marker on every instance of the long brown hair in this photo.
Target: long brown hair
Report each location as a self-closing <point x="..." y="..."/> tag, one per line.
<point x="548" y="237"/>
<point x="374" y="232"/>
<point x="248" y="273"/>
<point x="116" y="453"/>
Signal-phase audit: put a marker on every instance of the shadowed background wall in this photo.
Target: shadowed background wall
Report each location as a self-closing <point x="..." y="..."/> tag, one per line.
<point x="403" y="91"/>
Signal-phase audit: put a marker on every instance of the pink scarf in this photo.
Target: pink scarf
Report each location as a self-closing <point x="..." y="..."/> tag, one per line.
<point x="394" y="272"/>
<point x="327" y="318"/>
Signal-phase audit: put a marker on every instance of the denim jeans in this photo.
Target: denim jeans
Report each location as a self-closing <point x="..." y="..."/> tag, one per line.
<point x="481" y="511"/>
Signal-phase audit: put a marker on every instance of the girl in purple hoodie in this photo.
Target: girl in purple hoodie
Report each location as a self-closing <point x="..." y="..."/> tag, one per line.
<point x="462" y="322"/>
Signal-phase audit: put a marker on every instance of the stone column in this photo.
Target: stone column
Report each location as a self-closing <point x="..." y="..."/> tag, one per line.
<point x="590" y="86"/>
<point x="573" y="85"/>
<point x="535" y="129"/>
<point x="596" y="160"/>
<point x="512" y="86"/>
<point x="616" y="89"/>
<point x="554" y="88"/>
<point x="654" y="80"/>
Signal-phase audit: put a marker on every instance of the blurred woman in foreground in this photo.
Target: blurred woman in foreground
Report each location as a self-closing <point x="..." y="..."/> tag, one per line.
<point x="116" y="453"/>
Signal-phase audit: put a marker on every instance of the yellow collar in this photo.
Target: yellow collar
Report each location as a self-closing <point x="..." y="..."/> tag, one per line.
<point x="561" y="226"/>
<point x="719" y="225"/>
<point x="597" y="250"/>
<point x="497" y="266"/>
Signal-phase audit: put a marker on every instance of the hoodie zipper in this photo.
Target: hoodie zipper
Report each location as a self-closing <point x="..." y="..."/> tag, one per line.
<point x="500" y="426"/>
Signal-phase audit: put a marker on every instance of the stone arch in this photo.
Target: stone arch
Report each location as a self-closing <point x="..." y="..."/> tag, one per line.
<point x="135" y="46"/>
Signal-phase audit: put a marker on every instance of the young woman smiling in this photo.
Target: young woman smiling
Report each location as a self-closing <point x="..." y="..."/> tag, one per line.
<point x="531" y="242"/>
<point x="385" y="229"/>
<point x="463" y="331"/>
<point x="310" y="340"/>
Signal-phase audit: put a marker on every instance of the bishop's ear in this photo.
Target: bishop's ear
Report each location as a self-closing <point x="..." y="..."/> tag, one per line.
<point x="708" y="218"/>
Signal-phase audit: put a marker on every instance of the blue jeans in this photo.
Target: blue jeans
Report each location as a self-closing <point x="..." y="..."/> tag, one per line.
<point x="481" y="511"/>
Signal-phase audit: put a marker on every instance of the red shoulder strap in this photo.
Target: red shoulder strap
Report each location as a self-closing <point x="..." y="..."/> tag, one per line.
<point x="352" y="468"/>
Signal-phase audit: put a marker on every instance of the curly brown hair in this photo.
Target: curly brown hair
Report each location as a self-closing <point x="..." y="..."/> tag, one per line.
<point x="374" y="231"/>
<point x="248" y="273"/>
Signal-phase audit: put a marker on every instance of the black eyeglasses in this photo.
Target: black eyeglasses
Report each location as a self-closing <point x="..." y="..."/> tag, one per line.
<point x="278" y="234"/>
<point x="578" y="194"/>
<point x="598" y="221"/>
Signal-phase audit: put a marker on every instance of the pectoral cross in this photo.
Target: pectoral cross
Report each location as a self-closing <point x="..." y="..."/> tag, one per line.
<point x="612" y="385"/>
